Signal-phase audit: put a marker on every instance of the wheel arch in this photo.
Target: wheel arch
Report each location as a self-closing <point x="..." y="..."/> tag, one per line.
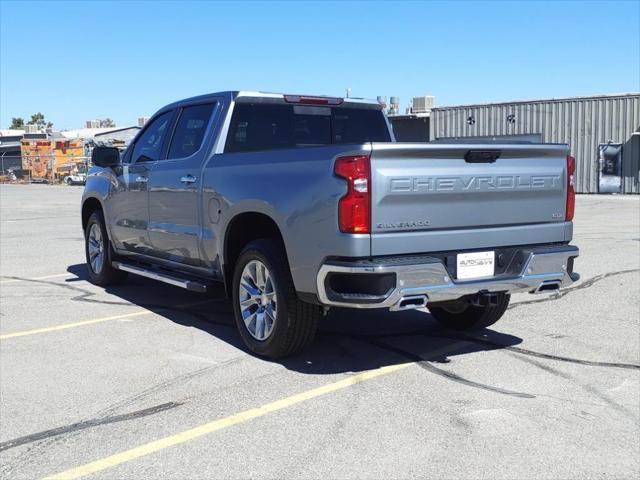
<point x="243" y="228"/>
<point x="90" y="205"/>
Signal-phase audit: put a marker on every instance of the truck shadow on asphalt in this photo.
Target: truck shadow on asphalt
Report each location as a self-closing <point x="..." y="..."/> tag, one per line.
<point x="347" y="341"/>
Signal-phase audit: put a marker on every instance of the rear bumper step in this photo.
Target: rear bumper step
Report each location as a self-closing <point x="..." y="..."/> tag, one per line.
<point x="185" y="283"/>
<point x="421" y="279"/>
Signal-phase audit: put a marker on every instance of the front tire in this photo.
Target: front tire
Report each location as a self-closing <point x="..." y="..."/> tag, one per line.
<point x="98" y="253"/>
<point x="462" y="315"/>
<point x="273" y="322"/>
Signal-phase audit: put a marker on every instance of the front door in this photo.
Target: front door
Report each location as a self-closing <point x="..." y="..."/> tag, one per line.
<point x="174" y="184"/>
<point x="129" y="194"/>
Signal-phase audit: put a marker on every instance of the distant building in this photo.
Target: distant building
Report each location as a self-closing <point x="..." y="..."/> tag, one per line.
<point x="37" y="151"/>
<point x="84" y="133"/>
<point x="412" y="126"/>
<point x="100" y="123"/>
<point x="10" y="157"/>
<point x="120" y="137"/>
<point x="142" y="121"/>
<point x="52" y="155"/>
<point x="603" y="132"/>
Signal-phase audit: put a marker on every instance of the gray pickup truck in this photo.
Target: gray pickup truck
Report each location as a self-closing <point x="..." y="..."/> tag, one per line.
<point x="301" y="203"/>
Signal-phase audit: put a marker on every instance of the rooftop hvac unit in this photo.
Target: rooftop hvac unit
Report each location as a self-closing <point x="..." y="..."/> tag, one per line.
<point x="31" y="129"/>
<point x="142" y="121"/>
<point x="394" y="105"/>
<point x="423" y="104"/>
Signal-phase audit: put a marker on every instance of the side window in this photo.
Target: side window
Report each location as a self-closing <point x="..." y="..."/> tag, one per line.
<point x="265" y="127"/>
<point x="149" y="146"/>
<point x="190" y="130"/>
<point x="260" y="127"/>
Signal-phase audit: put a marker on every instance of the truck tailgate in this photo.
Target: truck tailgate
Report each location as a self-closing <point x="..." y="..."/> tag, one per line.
<point x="456" y="190"/>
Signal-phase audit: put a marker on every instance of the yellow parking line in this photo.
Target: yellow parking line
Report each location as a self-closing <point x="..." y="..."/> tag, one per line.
<point x="46" y="277"/>
<point x="91" y="322"/>
<point x="71" y="325"/>
<point x="222" y="423"/>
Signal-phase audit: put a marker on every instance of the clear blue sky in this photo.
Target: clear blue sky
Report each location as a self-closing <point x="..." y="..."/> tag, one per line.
<point x="75" y="61"/>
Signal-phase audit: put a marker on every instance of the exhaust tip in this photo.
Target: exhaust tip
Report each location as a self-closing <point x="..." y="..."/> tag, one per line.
<point x="552" y="286"/>
<point x="410" y="303"/>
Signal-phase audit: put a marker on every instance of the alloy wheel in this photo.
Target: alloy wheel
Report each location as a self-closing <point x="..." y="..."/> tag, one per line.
<point x="96" y="248"/>
<point x="257" y="300"/>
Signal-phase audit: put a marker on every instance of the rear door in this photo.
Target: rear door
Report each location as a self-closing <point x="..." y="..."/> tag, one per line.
<point x="174" y="216"/>
<point x="441" y="190"/>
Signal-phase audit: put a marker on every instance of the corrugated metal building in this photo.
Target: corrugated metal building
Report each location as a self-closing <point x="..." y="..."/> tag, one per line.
<point x="590" y="125"/>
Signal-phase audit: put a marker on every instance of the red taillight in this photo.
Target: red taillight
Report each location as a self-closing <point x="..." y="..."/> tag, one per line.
<point x="571" y="193"/>
<point x="354" y="209"/>
<point x="306" y="99"/>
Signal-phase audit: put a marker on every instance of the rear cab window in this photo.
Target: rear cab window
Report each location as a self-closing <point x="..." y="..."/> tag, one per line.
<point x="268" y="126"/>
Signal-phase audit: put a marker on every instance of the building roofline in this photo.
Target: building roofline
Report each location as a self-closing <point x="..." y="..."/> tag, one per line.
<point x="11" y="132"/>
<point x="409" y="115"/>
<point x="543" y="100"/>
<point x="117" y="130"/>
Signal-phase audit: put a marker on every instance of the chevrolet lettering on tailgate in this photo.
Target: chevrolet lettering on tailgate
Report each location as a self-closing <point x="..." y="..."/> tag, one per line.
<point x="478" y="183"/>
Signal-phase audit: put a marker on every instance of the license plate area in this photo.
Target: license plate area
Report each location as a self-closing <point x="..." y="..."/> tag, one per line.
<point x="475" y="265"/>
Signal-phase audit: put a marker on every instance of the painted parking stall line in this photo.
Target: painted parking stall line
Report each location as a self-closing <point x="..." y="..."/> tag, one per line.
<point x="66" y="326"/>
<point x="220" y="424"/>
<point x="83" y="323"/>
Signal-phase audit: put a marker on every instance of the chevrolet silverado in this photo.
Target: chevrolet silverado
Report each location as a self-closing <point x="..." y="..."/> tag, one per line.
<point x="302" y="203"/>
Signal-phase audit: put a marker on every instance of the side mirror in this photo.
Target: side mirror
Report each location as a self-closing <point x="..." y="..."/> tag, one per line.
<point x="105" y="157"/>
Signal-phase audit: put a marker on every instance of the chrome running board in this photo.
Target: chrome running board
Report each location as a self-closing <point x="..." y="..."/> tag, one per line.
<point x="185" y="283"/>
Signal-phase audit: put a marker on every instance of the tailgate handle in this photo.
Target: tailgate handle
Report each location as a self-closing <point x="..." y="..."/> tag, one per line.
<point x="482" y="156"/>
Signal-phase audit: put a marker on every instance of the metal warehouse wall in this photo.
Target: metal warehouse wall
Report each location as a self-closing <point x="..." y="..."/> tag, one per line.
<point x="630" y="163"/>
<point x="583" y="123"/>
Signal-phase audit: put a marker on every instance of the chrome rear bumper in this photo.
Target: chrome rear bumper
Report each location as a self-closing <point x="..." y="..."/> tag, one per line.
<point x="425" y="279"/>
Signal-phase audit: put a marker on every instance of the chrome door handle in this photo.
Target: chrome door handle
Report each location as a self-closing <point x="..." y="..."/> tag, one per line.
<point x="188" y="179"/>
<point x="142" y="179"/>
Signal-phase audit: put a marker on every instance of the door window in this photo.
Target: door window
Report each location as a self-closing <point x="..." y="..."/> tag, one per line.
<point x="148" y="147"/>
<point x="190" y="131"/>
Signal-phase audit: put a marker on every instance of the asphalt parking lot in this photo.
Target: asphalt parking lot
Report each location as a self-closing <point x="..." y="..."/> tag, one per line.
<point x="146" y="380"/>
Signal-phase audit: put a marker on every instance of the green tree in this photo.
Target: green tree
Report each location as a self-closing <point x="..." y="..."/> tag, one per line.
<point x="107" y="123"/>
<point x="17" y="123"/>
<point x="39" y="120"/>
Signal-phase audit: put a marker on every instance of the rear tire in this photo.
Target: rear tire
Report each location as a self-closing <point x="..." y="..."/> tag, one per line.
<point x="273" y="322"/>
<point x="462" y="315"/>
<point x="98" y="253"/>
